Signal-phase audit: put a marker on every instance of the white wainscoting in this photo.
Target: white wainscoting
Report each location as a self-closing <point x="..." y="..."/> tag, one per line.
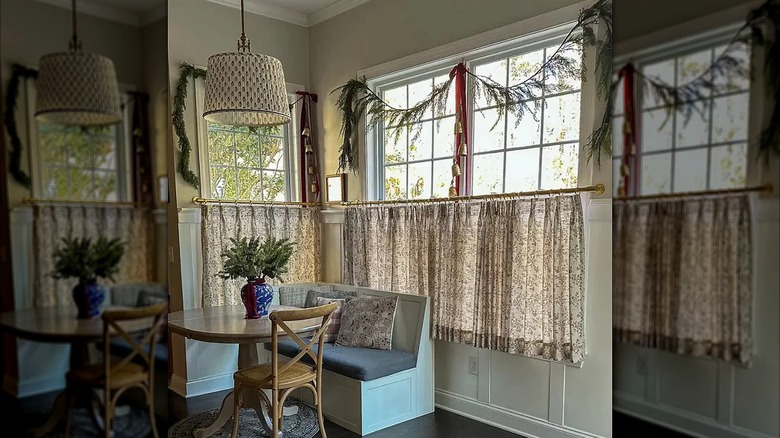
<point x="708" y="398"/>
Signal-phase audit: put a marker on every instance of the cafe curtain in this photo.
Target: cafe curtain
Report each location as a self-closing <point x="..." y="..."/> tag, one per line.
<point x="221" y="222"/>
<point x="502" y="274"/>
<point x="682" y="275"/>
<point x="52" y="223"/>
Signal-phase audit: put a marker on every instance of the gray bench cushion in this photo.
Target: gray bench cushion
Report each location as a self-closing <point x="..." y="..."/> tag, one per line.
<point x="356" y="363"/>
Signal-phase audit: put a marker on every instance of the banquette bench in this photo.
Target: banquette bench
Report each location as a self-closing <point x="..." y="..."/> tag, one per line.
<point x="364" y="389"/>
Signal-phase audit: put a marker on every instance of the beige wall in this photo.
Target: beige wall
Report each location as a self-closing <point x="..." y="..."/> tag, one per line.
<point x="199" y="29"/>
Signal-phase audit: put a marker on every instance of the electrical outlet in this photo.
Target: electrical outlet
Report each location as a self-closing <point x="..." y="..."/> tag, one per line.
<point x="641" y="365"/>
<point x="473" y="365"/>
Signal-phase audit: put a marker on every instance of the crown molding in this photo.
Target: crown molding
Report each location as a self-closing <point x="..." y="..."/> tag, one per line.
<point x="331" y="11"/>
<point x="260" y="7"/>
<point x="110" y="13"/>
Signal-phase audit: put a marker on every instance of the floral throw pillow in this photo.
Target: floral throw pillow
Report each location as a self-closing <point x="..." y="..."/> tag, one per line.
<point x="312" y="295"/>
<point x="332" y="329"/>
<point x="367" y="322"/>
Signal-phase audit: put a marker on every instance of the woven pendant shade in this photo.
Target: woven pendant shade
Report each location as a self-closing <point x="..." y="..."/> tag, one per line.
<point x="77" y="88"/>
<point x="246" y="89"/>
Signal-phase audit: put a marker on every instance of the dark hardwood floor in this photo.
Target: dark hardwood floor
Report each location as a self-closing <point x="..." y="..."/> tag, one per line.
<point x="626" y="426"/>
<point x="440" y="424"/>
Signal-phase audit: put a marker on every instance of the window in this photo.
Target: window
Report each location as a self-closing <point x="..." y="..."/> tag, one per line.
<point x="705" y="151"/>
<point x="247" y="165"/>
<point x="238" y="163"/>
<point x="79" y="164"/>
<point x="539" y="151"/>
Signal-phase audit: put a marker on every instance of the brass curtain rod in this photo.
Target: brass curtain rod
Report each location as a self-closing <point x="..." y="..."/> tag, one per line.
<point x="597" y="188"/>
<point x="766" y="188"/>
<point x="204" y="201"/>
<point x="32" y="201"/>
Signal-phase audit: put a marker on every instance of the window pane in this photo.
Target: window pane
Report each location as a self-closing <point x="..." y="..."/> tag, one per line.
<point x="690" y="170"/>
<point x="54" y="182"/>
<point x="274" y="131"/>
<point x="449" y="107"/>
<point x="249" y="185"/>
<point x="728" y="166"/>
<point x="617" y="136"/>
<point x="79" y="150"/>
<point x="617" y="179"/>
<point x="444" y="138"/>
<point x="524" y="132"/>
<point x="395" y="182"/>
<point x="106" y="185"/>
<point x="396" y="97"/>
<point x="488" y="173"/>
<point x="442" y="176"/>
<point x="695" y="129"/>
<point x="523" y="66"/>
<point x="656" y="130"/>
<point x="273" y="185"/>
<point x="559" y="166"/>
<point x="220" y="147"/>
<point x="488" y="137"/>
<point x="562" y="84"/>
<point x="562" y="118"/>
<point x="495" y="71"/>
<point x="731" y="83"/>
<point x="104" y="153"/>
<point x="420" y="141"/>
<point x="247" y="150"/>
<point x="522" y="170"/>
<point x="395" y="145"/>
<point x="80" y="184"/>
<point x="52" y="146"/>
<point x="656" y="173"/>
<point x="690" y="67"/>
<point x="418" y="91"/>
<point x="272" y="149"/>
<point x="730" y="118"/>
<point x="618" y="102"/>
<point x="663" y="71"/>
<point x="223" y="182"/>
<point x="420" y="180"/>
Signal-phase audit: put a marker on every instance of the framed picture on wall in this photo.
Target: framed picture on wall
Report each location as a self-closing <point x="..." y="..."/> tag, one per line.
<point x="335" y="188"/>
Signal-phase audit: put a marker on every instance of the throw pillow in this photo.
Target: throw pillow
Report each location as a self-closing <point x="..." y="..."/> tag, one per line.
<point x="332" y="329"/>
<point x="367" y="322"/>
<point x="150" y="298"/>
<point x="312" y="295"/>
<point x="296" y="295"/>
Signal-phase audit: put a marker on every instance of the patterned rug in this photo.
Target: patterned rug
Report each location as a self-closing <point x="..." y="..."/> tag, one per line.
<point x="301" y="425"/>
<point x="133" y="424"/>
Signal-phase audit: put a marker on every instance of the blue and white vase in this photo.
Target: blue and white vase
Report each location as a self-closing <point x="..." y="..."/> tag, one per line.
<point x="264" y="294"/>
<point x="88" y="296"/>
<point x="249" y="293"/>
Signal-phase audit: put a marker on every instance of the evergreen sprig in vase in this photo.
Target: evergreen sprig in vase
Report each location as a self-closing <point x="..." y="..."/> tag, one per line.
<point x="255" y="261"/>
<point x="81" y="258"/>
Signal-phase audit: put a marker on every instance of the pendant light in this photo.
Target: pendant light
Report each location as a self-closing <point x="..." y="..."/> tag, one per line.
<point x="244" y="88"/>
<point x="77" y="88"/>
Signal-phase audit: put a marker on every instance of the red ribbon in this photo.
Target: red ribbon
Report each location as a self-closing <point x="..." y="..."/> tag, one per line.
<point x="459" y="72"/>
<point x="630" y="157"/>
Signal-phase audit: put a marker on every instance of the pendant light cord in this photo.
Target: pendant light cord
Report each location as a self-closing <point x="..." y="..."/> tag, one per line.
<point x="75" y="43"/>
<point x="244" y="45"/>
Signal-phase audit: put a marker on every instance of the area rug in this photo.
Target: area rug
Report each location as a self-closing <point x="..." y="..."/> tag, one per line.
<point x="133" y="424"/>
<point x="301" y="425"/>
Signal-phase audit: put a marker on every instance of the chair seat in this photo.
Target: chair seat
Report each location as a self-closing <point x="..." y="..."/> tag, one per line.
<point x="94" y="375"/>
<point x="259" y="375"/>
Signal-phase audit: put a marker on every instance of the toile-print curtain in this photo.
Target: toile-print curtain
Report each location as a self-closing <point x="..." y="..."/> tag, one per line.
<point x="682" y="275"/>
<point x="221" y="222"/>
<point x="52" y="223"/>
<point x="502" y="274"/>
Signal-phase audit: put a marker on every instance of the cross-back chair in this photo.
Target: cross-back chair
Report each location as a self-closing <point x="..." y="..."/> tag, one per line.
<point x="281" y="378"/>
<point x="114" y="377"/>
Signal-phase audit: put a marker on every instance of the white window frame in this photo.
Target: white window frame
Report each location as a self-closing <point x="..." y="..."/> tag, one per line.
<point x="124" y="144"/>
<point x="703" y="40"/>
<point x="385" y="76"/>
<point x="291" y="153"/>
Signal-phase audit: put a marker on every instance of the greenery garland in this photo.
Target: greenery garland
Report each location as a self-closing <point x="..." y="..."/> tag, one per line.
<point x="356" y="98"/>
<point x="688" y="99"/>
<point x="185" y="148"/>
<point x="18" y="72"/>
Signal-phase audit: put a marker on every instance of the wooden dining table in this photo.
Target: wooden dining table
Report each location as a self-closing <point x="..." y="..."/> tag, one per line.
<point x="226" y="325"/>
<point x="60" y="325"/>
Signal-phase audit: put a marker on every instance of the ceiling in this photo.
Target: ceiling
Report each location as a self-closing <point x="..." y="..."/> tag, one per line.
<point x="132" y="12"/>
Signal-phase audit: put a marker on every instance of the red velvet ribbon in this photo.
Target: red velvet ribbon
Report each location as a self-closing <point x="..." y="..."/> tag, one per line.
<point x="459" y="72"/>
<point x="305" y="122"/>
<point x="630" y="181"/>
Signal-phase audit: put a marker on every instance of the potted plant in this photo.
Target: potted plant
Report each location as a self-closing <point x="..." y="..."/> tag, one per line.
<point x="255" y="261"/>
<point x="81" y="258"/>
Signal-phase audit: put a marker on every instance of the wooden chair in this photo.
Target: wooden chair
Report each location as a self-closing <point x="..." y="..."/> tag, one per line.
<point x="115" y="377"/>
<point x="281" y="378"/>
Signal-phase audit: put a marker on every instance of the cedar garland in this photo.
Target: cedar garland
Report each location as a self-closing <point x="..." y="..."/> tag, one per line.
<point x="185" y="148"/>
<point x="18" y="72"/>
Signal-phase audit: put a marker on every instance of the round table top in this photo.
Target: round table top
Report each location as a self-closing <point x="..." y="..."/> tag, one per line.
<point x="226" y="325"/>
<point x="59" y="324"/>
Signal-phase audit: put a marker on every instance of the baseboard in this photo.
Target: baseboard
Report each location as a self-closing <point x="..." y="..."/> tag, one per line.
<point x="193" y="388"/>
<point x="678" y="419"/>
<point x="505" y="419"/>
<point x="30" y="387"/>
